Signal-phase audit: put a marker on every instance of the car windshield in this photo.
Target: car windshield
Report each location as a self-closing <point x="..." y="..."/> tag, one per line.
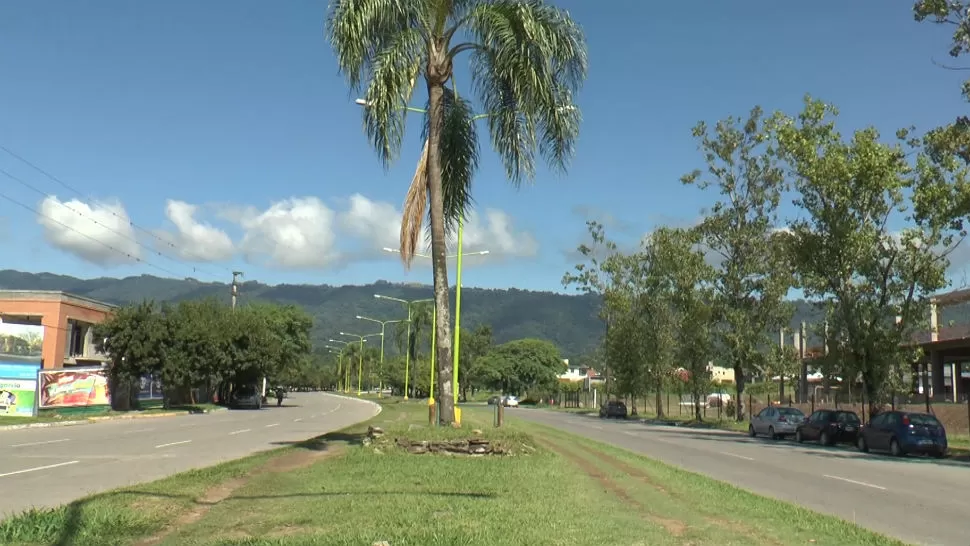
<point x="848" y="417"/>
<point x="246" y="391"/>
<point x="794" y="412"/>
<point x="923" y="420"/>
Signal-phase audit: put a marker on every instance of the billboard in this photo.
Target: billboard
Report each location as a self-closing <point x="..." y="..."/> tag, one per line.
<point x="20" y="355"/>
<point x="71" y="388"/>
<point x="149" y="387"/>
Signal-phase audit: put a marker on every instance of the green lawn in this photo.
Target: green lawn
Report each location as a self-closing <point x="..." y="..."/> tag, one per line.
<point x="556" y="489"/>
<point x="50" y="416"/>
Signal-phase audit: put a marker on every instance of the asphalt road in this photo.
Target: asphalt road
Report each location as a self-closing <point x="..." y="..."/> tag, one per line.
<point x="921" y="501"/>
<point x="41" y="467"/>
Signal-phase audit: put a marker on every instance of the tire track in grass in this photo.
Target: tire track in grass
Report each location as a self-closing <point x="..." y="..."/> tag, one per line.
<point x="293" y="460"/>
<point x="672" y="526"/>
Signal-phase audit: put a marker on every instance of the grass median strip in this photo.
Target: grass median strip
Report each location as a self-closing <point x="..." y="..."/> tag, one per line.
<point x="351" y="488"/>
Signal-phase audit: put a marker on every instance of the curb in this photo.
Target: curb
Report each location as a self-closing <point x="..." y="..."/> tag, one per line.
<point x="376" y="405"/>
<point x="93" y="420"/>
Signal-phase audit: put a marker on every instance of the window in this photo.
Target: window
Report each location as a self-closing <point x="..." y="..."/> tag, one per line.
<point x="923" y="419"/>
<point x="879" y="420"/>
<point x="763" y="414"/>
<point x="848" y="418"/>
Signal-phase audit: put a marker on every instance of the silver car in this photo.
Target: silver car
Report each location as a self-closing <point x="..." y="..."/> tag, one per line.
<point x="776" y="422"/>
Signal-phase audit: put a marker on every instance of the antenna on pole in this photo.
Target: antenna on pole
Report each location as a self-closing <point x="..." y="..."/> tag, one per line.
<point x="234" y="290"/>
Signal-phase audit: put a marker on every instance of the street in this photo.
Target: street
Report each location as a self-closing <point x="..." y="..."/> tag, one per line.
<point x="42" y="467"/>
<point x="921" y="501"/>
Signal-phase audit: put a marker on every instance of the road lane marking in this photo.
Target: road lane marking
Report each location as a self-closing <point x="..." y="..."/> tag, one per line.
<point x="138" y="430"/>
<point x="36" y="468"/>
<point x="41" y="443"/>
<point x="864" y="484"/>
<point x="297" y="420"/>
<point x="736" y="455"/>
<point x="273" y="425"/>
<point x="628" y="433"/>
<point x="239" y="431"/>
<point x="172" y="444"/>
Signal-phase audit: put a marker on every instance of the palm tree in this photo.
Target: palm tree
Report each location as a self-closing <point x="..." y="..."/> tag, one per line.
<point x="527" y="59"/>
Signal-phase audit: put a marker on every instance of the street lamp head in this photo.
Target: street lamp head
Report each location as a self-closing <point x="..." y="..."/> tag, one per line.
<point x="359" y="317"/>
<point x="389" y="249"/>
<point x="482" y="253"/>
<point x="362" y="102"/>
<point x="378" y="296"/>
<point x="344" y="333"/>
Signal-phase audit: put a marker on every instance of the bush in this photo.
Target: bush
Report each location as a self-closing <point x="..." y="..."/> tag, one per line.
<point x="730" y="409"/>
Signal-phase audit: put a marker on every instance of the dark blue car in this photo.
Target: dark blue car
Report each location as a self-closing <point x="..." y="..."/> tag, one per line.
<point x="902" y="433"/>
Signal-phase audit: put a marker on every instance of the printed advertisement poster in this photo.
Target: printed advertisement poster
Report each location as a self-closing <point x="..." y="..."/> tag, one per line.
<point x="74" y="388"/>
<point x="17" y="397"/>
<point x="149" y="387"/>
<point x="20" y="354"/>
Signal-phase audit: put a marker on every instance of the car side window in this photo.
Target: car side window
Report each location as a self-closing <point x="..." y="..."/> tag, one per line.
<point x="878" y="421"/>
<point x="819" y="417"/>
<point x="763" y="413"/>
<point x="892" y="420"/>
<point x="813" y="417"/>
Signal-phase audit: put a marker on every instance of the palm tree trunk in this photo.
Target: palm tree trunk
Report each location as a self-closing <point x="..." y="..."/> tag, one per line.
<point x="436" y="114"/>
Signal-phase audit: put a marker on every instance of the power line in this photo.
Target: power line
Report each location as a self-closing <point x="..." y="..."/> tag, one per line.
<point x="127" y="220"/>
<point x="85" y="235"/>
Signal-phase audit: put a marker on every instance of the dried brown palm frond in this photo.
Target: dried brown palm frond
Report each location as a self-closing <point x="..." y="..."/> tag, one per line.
<point x="415" y="204"/>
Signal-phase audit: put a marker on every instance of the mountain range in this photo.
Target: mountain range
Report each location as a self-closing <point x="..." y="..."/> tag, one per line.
<point x="569" y="321"/>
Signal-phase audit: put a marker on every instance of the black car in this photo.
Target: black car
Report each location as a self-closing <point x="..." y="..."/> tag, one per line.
<point x="494" y="400"/>
<point x="246" y="396"/>
<point x="829" y="427"/>
<point x="613" y="408"/>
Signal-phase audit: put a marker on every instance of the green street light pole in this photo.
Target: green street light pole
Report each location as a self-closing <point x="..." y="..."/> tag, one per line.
<point x="347" y="369"/>
<point x="340" y="361"/>
<point x="457" y="342"/>
<point x="383" y="323"/>
<point x="407" y="350"/>
<point x="360" y="359"/>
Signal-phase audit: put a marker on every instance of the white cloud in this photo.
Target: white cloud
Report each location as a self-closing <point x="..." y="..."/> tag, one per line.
<point x="295" y="233"/>
<point x="99" y="232"/>
<point x="376" y="225"/>
<point x="193" y="240"/>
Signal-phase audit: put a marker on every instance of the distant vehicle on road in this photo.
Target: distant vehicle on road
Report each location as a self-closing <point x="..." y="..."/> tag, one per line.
<point x="902" y="433"/>
<point x="829" y="427"/>
<point x="510" y="401"/>
<point x="614" y="408"/>
<point x="246" y="396"/>
<point x="776" y="422"/>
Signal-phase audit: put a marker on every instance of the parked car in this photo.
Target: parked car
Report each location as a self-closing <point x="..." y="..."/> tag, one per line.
<point x="246" y="396"/>
<point x="494" y="400"/>
<point x="510" y="401"/>
<point x="776" y="422"/>
<point x="902" y="433"/>
<point x="829" y="427"/>
<point x="613" y="408"/>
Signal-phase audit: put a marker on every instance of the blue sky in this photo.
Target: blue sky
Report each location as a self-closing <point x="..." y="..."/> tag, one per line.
<point x="234" y="109"/>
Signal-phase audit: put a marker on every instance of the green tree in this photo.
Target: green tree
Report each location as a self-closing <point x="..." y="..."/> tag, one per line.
<point x="528" y="58"/>
<point x="753" y="275"/>
<point x="475" y="344"/>
<point x="955" y="14"/>
<point x="686" y="281"/>
<point x="846" y="253"/>
<point x="135" y="338"/>
<point x="524" y="366"/>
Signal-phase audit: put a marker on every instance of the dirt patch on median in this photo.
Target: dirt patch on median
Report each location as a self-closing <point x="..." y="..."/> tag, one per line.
<point x="293" y="460"/>
<point x="672" y="526"/>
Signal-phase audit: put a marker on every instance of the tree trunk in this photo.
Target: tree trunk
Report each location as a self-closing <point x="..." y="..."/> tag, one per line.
<point x="739" y="403"/>
<point x="436" y="114"/>
<point x="659" y="400"/>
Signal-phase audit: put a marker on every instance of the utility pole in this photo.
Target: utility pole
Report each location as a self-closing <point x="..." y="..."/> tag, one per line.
<point x="235" y="287"/>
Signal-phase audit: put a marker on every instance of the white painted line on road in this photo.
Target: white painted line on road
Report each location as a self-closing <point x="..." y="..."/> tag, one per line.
<point x="297" y="420"/>
<point x="855" y="482"/>
<point x="35" y="469"/>
<point x="736" y="455"/>
<point x="628" y="433"/>
<point x="41" y="443"/>
<point x="173" y="444"/>
<point x="273" y="425"/>
<point x="138" y="430"/>
<point x="240" y="431"/>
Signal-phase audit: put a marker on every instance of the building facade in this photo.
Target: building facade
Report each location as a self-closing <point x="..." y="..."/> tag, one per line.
<point x="68" y="322"/>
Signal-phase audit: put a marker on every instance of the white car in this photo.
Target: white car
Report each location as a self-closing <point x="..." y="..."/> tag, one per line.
<point x="510" y="402"/>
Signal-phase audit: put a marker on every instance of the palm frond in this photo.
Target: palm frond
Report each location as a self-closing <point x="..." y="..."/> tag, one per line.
<point x="415" y="203"/>
<point x="528" y="60"/>
<point x="383" y="43"/>
<point x="459" y="157"/>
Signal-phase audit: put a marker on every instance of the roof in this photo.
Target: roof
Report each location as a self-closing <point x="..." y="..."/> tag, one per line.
<point x="58" y="296"/>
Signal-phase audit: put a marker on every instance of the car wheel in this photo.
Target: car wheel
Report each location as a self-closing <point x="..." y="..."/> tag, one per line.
<point x="895" y="449"/>
<point x="824" y="439"/>
<point x="771" y="433"/>
<point x="751" y="431"/>
<point x="798" y="436"/>
<point x="862" y="445"/>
